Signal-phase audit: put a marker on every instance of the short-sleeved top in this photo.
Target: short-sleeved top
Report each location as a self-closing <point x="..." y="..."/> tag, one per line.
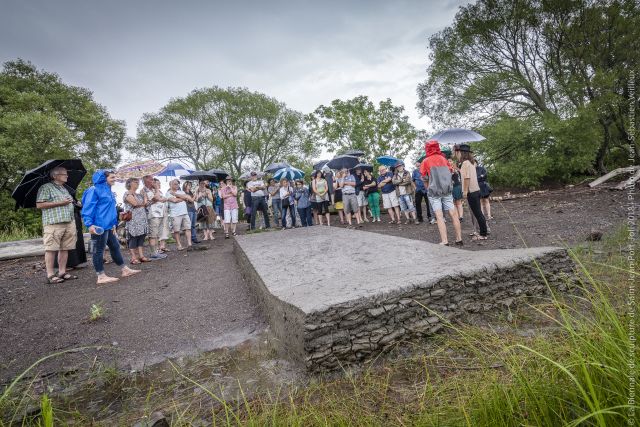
<point x="155" y="210"/>
<point x="283" y="192"/>
<point x="191" y="206"/>
<point x="51" y="192"/>
<point x="370" y="190"/>
<point x="256" y="183"/>
<point x="273" y="188"/>
<point x="388" y="187"/>
<point x="177" y="209"/>
<point x="468" y="170"/>
<point x="230" y="203"/>
<point x="348" y="189"/>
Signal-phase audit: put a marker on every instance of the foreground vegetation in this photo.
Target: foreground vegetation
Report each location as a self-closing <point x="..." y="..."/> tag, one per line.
<point x="554" y="361"/>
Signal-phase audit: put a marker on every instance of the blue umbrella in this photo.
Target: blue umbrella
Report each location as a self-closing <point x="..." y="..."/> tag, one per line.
<point x="174" y="169"/>
<point x="388" y="160"/>
<point x="457" y="136"/>
<point x="289" y="173"/>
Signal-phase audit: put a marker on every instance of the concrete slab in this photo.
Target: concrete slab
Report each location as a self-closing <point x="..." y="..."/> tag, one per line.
<point x="336" y="297"/>
<point x="25" y="248"/>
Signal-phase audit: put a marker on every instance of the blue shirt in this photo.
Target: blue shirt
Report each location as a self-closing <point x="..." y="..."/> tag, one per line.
<point x="388" y="187"/>
<point x="349" y="189"/>
<point x="417" y="179"/>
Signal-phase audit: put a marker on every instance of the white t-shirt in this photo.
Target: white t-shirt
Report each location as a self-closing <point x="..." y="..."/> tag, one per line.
<point x="284" y="191"/>
<point x="156" y="210"/>
<point x="256" y="183"/>
<point x="177" y="209"/>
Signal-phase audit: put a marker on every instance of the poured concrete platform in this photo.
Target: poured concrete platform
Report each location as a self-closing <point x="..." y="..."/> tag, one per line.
<point x="336" y="297"/>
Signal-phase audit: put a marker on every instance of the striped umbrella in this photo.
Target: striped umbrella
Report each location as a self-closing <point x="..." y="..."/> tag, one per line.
<point x="289" y="173"/>
<point x="139" y="169"/>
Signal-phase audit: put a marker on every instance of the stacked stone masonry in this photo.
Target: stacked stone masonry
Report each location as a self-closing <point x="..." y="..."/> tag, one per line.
<point x="327" y="337"/>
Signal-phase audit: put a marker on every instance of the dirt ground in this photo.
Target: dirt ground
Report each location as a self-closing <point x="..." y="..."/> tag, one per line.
<point x="189" y="303"/>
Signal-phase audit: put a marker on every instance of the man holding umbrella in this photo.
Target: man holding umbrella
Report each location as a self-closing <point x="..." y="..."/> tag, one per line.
<point x="59" y="230"/>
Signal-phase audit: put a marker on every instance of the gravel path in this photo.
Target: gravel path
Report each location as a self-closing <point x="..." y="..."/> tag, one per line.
<point x="181" y="305"/>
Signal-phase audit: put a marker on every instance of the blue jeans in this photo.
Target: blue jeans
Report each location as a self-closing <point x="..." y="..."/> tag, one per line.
<point x="305" y="216"/>
<point x="284" y="216"/>
<point x="108" y="238"/>
<point x="259" y="204"/>
<point x="276" y="205"/>
<point x="192" y="218"/>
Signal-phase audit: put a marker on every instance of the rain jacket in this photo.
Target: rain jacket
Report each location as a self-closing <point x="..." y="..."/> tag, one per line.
<point x="437" y="167"/>
<point x="99" y="203"/>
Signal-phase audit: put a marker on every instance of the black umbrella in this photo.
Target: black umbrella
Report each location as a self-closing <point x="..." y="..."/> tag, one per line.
<point x="275" y="167"/>
<point x="219" y="173"/>
<point x="318" y="166"/>
<point x="354" y="153"/>
<point x="200" y="176"/>
<point x="26" y="192"/>
<point x="343" y="161"/>
<point x="364" y="166"/>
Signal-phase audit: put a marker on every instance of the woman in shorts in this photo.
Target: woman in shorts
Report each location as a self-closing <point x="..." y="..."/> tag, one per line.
<point x="137" y="228"/>
<point x="229" y="194"/>
<point x="320" y="190"/>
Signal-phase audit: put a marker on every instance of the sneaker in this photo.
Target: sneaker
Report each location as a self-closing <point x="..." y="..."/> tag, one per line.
<point x="432" y="221"/>
<point x="459" y="243"/>
<point x="157" y="256"/>
<point x="416" y="222"/>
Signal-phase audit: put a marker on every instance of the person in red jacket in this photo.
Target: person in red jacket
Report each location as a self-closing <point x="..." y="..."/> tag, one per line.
<point x="439" y="190"/>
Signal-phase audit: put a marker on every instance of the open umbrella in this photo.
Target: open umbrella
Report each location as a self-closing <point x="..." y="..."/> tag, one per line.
<point x="318" y="166"/>
<point x="274" y="167"/>
<point x="219" y="173"/>
<point x="364" y="166"/>
<point x="388" y="160"/>
<point x="343" y="161"/>
<point x="26" y="192"/>
<point x="199" y="176"/>
<point x="174" y="169"/>
<point x="288" y="173"/>
<point x="139" y="169"/>
<point x="247" y="176"/>
<point x="354" y="153"/>
<point x="457" y="136"/>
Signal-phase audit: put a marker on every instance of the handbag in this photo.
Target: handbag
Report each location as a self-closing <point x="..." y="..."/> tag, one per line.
<point x="126" y="216"/>
<point x="202" y="213"/>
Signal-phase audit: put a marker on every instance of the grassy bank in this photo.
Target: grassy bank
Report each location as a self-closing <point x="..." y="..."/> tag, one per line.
<point x="559" y="360"/>
<point x="17" y="233"/>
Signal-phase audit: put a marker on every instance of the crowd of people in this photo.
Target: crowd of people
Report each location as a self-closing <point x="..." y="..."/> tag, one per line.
<point x="441" y="181"/>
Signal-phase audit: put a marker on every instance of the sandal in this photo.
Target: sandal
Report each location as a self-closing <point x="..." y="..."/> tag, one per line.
<point x="67" y="276"/>
<point x="226" y="235"/>
<point x="478" y="237"/>
<point x="135" y="262"/>
<point x="145" y="259"/>
<point x="234" y="234"/>
<point x="53" y="279"/>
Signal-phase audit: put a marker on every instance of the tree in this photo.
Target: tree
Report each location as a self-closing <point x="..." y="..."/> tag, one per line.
<point x="43" y="118"/>
<point x="230" y="128"/>
<point x="357" y="124"/>
<point x="503" y="59"/>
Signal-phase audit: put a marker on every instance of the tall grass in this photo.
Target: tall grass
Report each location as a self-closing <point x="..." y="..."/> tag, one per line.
<point x="17" y="232"/>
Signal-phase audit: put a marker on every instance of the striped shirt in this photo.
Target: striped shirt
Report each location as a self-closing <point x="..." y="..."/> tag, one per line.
<point x="51" y="192"/>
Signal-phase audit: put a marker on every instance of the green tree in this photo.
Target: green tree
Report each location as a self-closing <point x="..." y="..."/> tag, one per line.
<point x="521" y="59"/>
<point x="230" y="128"/>
<point x="43" y="118"/>
<point x="357" y="124"/>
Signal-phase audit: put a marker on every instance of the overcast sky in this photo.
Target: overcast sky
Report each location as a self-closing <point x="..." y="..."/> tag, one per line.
<point x="135" y="55"/>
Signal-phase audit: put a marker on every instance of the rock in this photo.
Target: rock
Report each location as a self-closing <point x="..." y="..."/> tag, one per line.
<point x="594" y="236"/>
<point x="156" y="419"/>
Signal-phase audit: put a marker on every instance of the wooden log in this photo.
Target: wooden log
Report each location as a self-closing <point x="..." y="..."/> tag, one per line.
<point x="611" y="174"/>
<point x="630" y="181"/>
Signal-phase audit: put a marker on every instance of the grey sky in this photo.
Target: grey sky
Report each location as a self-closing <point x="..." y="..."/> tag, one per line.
<point x="135" y="55"/>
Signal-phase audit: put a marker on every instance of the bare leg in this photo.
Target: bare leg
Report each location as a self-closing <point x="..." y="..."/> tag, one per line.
<point x="442" y="228"/>
<point x="187" y="235"/>
<point x="459" y="208"/>
<point x="393" y="218"/>
<point x="134" y="255"/>
<point x="328" y="219"/>
<point x="176" y="237"/>
<point x="348" y="218"/>
<point x="49" y="261"/>
<point x="358" y="218"/>
<point x="397" y="211"/>
<point x="140" y="252"/>
<point x="63" y="256"/>
<point x="456" y="224"/>
<point x="154" y="245"/>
